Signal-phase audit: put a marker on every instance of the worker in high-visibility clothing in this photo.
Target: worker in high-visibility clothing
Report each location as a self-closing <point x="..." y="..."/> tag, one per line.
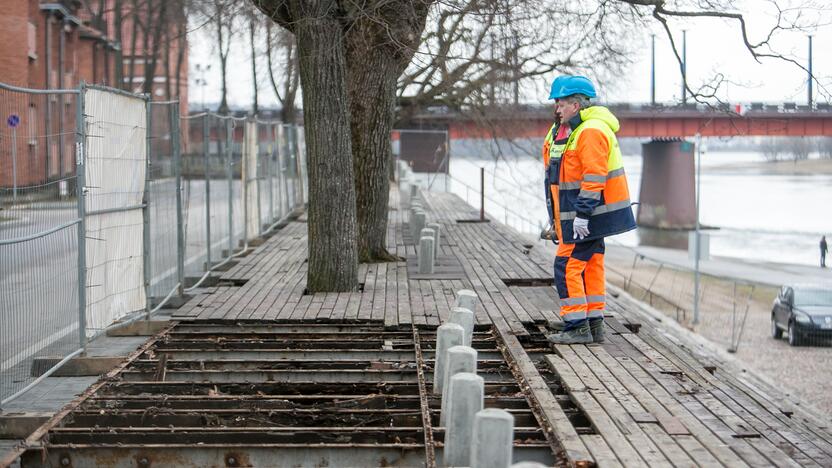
<point x="589" y="201"/>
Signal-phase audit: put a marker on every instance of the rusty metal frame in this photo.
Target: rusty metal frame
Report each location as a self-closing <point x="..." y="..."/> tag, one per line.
<point x="32" y="442"/>
<point x="430" y="450"/>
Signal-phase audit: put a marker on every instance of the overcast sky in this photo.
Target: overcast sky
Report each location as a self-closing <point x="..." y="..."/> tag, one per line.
<point x="713" y="46"/>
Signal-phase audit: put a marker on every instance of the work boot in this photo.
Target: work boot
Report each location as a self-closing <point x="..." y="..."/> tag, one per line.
<point x="556" y="326"/>
<point x="579" y="335"/>
<point x="596" y="328"/>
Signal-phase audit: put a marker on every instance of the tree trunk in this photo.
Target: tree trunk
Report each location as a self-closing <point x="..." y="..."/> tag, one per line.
<point x="182" y="44"/>
<point x="380" y="45"/>
<point x="223" y="51"/>
<point x="135" y="18"/>
<point x="333" y="261"/>
<point x="118" y="71"/>
<point x="255" y="107"/>
<point x="372" y="77"/>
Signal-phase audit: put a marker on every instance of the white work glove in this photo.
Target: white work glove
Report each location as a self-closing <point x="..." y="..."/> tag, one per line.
<point x="580" y="227"/>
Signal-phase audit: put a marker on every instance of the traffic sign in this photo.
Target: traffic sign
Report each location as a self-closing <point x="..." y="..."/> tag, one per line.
<point x="13" y="120"/>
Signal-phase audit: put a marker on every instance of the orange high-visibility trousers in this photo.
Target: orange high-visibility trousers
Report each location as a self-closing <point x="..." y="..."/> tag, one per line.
<point x="579" y="279"/>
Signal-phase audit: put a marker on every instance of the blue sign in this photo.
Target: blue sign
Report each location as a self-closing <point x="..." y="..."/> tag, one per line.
<point x="13" y="120"/>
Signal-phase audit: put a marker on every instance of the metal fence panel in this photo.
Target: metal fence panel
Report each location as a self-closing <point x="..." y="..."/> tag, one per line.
<point x="116" y="165"/>
<point x="196" y="191"/>
<point x="162" y="200"/>
<point x="39" y="303"/>
<point x="108" y="201"/>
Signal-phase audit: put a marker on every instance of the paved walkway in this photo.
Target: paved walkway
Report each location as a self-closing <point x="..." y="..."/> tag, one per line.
<point x="762" y="272"/>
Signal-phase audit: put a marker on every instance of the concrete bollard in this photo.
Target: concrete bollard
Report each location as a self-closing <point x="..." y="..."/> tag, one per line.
<point x="493" y="438"/>
<point x="447" y="336"/>
<point x="436" y="227"/>
<point x="528" y="464"/>
<point x="426" y="255"/>
<point x="467" y="299"/>
<point x="464" y="318"/>
<point x="417" y="223"/>
<point x="460" y="359"/>
<point x="465" y="399"/>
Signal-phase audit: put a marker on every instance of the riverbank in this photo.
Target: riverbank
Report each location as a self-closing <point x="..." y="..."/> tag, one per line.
<point x="803" y="167"/>
<point x="667" y="284"/>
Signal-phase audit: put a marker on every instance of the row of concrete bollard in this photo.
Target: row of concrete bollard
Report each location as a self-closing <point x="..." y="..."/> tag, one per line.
<point x="427" y="234"/>
<point x="474" y="437"/>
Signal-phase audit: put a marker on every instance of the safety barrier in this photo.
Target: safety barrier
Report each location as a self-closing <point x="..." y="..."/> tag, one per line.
<point x="112" y="206"/>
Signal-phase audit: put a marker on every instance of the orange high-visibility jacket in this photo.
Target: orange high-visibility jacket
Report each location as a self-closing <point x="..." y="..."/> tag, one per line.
<point x="590" y="181"/>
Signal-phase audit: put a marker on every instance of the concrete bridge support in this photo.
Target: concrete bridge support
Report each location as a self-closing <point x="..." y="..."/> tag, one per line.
<point x="668" y="188"/>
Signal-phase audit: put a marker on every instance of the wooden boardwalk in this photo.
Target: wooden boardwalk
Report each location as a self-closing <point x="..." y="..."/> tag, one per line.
<point x="643" y="398"/>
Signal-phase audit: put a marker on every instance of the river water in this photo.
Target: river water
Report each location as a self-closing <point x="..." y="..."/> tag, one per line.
<point x="759" y="216"/>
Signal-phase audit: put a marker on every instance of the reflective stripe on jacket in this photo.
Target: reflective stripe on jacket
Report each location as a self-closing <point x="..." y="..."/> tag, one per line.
<point x="591" y="182"/>
<point x="553" y="146"/>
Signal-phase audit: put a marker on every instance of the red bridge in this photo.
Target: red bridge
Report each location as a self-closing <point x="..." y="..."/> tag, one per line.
<point x="644" y="121"/>
<point x="667" y="197"/>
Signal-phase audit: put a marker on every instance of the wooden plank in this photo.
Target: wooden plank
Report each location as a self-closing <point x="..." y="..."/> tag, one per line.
<point x="555" y="419"/>
<point x="597" y="446"/>
<point x="607" y="415"/>
<point x="633" y="408"/>
<point x="403" y="295"/>
<point x="379" y="293"/>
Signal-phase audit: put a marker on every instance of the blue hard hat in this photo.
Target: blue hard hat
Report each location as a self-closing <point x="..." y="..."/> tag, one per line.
<point x="567" y="85"/>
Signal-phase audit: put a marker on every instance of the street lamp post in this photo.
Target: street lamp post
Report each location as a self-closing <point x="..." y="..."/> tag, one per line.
<point x="698" y="241"/>
<point x="810" y="73"/>
<point x="684" y="67"/>
<point x="653" y="70"/>
<point x="201" y="82"/>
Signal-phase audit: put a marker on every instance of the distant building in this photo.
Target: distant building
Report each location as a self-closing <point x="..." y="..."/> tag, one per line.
<point x="56" y="45"/>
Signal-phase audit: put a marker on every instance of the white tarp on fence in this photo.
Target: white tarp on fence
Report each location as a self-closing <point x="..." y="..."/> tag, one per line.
<point x="116" y="161"/>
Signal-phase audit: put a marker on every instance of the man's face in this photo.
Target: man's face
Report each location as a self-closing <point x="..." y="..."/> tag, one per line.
<point x="565" y="109"/>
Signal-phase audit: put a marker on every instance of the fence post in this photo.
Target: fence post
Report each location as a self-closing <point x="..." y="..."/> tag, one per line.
<point x="180" y="224"/>
<point x="146" y="208"/>
<point x="298" y="169"/>
<point x="80" y="182"/>
<point x="272" y="150"/>
<point x="244" y="177"/>
<point x="260" y="170"/>
<point x="229" y="140"/>
<point x="281" y="163"/>
<point x="206" y="149"/>
<point x="482" y="194"/>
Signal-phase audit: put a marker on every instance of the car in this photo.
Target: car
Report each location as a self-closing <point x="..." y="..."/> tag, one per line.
<point x="802" y="312"/>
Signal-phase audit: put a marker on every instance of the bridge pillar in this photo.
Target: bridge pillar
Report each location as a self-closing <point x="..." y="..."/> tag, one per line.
<point x="668" y="191"/>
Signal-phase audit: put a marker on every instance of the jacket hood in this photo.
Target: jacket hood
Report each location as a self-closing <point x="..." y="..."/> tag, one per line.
<point x="603" y="114"/>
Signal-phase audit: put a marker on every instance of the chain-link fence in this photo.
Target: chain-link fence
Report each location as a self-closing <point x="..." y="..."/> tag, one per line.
<point x="111" y="205"/>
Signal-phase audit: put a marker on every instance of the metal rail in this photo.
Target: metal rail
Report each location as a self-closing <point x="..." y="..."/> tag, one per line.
<point x="430" y="452"/>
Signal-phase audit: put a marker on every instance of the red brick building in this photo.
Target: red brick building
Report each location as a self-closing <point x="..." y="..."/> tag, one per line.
<point x="55" y="45"/>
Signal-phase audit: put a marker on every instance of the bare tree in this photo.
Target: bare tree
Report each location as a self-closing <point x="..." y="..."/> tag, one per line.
<point x="803" y="17"/>
<point x="221" y="18"/>
<point x="252" y="18"/>
<point x="282" y="43"/>
<point x="472" y="59"/>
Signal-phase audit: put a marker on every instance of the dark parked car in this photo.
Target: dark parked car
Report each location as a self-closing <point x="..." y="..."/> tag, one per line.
<point x="802" y="311"/>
